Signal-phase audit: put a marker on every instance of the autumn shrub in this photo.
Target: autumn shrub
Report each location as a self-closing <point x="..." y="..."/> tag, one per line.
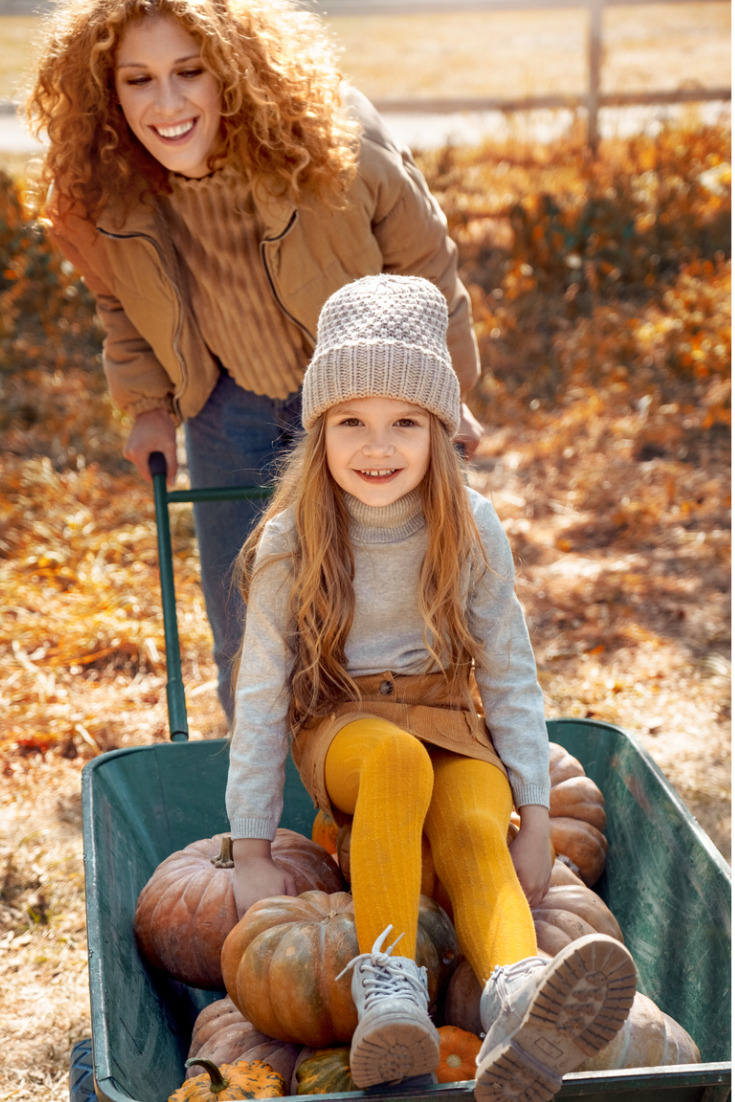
<point x="53" y="396"/>
<point x="39" y="290"/>
<point x="596" y="271"/>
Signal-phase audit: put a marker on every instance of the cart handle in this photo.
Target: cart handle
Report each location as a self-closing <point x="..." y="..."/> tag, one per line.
<point x="162" y="498"/>
<point x="175" y="696"/>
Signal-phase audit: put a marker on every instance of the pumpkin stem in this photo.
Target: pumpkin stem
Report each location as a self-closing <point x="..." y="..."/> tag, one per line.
<point x="217" y="1081"/>
<point x="225" y="859"/>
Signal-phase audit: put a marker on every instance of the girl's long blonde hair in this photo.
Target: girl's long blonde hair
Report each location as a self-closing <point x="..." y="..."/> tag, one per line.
<point x="322" y="597"/>
<point x="282" y="118"/>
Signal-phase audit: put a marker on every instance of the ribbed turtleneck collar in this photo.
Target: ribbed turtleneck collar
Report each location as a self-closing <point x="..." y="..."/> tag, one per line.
<point x="224" y="177"/>
<point x="385" y="524"/>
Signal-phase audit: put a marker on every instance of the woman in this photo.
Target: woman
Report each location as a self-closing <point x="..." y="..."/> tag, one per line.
<point x="215" y="182"/>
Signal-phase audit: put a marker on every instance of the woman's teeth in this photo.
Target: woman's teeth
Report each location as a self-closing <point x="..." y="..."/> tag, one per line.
<point x="175" y="131"/>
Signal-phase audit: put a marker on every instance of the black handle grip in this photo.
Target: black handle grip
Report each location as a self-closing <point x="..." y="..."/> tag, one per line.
<point x="157" y="463"/>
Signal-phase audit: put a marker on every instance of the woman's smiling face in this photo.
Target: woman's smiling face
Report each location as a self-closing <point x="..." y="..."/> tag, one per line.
<point x="170" y="100"/>
<point x="377" y="448"/>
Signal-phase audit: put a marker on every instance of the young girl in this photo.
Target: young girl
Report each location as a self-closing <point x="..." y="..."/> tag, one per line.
<point x="380" y="592"/>
<point x="214" y="181"/>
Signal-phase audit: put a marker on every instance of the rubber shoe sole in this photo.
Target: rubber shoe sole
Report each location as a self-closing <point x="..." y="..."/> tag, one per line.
<point x="580" y="1006"/>
<point x="389" y="1048"/>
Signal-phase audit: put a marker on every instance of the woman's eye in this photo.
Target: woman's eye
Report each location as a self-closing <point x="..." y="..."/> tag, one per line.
<point x="191" y="74"/>
<point x="135" y="82"/>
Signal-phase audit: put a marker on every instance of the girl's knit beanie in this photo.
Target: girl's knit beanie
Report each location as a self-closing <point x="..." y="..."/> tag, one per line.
<point x="383" y="336"/>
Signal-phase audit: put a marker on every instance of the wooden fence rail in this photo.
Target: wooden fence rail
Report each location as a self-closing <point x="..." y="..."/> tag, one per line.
<point x="593" y="100"/>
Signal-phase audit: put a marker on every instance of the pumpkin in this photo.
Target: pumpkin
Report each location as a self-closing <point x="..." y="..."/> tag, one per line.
<point x="462" y="1000"/>
<point x="230" y="1082"/>
<point x="458" y="1051"/>
<point x="582" y="843"/>
<point x="568" y="910"/>
<point x="562" y="764"/>
<point x="281" y="961"/>
<point x="578" y="798"/>
<point x="577" y="815"/>
<point x="222" y="1035"/>
<point x="323" y="1071"/>
<point x="648" y="1039"/>
<point x="187" y="908"/>
<point x="324" y="831"/>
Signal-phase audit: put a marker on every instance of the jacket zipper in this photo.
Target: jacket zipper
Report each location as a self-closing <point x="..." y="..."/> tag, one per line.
<point x="176" y="396"/>
<point x="271" y="283"/>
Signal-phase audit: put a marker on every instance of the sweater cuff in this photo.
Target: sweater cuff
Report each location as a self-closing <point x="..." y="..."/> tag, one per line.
<point x="532" y="794"/>
<point x="253" y="828"/>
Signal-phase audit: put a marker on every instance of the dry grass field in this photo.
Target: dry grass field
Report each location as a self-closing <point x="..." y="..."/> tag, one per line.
<point x="647" y="46"/>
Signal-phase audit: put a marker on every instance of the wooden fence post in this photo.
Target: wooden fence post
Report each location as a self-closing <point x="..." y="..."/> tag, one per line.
<point x="594" y="57"/>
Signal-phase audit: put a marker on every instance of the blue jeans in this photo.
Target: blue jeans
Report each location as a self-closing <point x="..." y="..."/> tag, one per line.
<point x="234" y="441"/>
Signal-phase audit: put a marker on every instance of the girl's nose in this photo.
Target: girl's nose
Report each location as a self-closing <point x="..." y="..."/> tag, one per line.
<point x="378" y="444"/>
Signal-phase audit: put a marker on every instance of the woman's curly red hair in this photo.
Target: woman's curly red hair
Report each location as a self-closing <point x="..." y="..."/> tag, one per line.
<point x="282" y="118"/>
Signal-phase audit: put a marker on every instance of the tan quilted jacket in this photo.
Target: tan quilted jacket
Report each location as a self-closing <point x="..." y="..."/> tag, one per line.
<point x="154" y="355"/>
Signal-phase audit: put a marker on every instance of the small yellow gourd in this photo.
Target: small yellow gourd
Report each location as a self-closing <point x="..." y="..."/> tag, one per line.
<point x="230" y="1082"/>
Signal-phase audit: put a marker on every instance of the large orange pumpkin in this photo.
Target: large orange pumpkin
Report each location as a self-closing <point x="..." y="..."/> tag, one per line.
<point x="187" y="908"/>
<point x="222" y="1035"/>
<point x="281" y="961"/>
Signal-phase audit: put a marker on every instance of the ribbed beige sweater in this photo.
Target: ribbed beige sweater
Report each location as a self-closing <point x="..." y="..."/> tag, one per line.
<point x="213" y="224"/>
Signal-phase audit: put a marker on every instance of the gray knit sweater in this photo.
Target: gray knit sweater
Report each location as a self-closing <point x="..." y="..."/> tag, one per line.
<point x="387" y="634"/>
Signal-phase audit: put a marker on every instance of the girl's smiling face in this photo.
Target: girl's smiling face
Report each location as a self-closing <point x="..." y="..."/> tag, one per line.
<point x="170" y="100"/>
<point x="377" y="449"/>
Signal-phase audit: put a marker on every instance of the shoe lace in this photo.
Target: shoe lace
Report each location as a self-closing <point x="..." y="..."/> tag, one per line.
<point x="383" y="975"/>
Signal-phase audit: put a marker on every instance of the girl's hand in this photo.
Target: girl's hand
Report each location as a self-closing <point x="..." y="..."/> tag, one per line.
<point x="257" y="876"/>
<point x="152" y="431"/>
<point x="531" y="853"/>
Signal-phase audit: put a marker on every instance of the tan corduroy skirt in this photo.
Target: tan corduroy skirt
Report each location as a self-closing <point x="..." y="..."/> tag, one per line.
<point x="417" y="703"/>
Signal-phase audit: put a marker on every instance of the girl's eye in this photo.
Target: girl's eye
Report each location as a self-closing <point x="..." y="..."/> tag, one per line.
<point x="350" y="422"/>
<point x="406" y="423"/>
<point x="134" y="82"/>
<point x="191" y="74"/>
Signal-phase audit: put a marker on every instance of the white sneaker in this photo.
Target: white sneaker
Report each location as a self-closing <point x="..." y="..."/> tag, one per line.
<point x="543" y="1018"/>
<point x="395" y="1038"/>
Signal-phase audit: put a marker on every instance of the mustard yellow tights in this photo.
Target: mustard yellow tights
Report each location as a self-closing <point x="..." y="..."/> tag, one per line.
<point x="396" y="788"/>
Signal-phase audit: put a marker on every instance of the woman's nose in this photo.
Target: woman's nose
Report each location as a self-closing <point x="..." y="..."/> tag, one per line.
<point x="168" y="96"/>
